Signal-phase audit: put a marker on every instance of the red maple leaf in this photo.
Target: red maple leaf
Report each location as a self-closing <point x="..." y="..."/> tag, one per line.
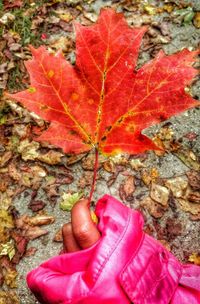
<point x="102" y="102"/>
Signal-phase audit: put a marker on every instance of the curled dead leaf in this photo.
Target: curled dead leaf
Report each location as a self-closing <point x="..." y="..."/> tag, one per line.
<point x="187" y="206"/>
<point x="196" y="20"/>
<point x="36" y="205"/>
<point x="4" y="159"/>
<point x="10" y="278"/>
<point x="159" y="194"/>
<point x="28" y="150"/>
<point x="35" y="232"/>
<point x="127" y="188"/>
<point x="194" y="258"/>
<point x="9" y="297"/>
<point x="177" y="185"/>
<point x="30" y="251"/>
<point x="194" y="179"/>
<point x="39" y="220"/>
<point x="58" y="236"/>
<point x="194" y="197"/>
<point x="155" y="209"/>
<point x="109" y="166"/>
<point x="51" y="157"/>
<point x="136" y="164"/>
<point x="86" y="179"/>
<point x="149" y="176"/>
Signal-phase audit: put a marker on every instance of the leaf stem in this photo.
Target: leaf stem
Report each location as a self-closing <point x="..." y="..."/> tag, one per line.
<point x="95" y="174"/>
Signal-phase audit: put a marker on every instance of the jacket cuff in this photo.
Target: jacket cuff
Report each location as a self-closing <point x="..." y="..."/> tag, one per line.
<point x="152" y="274"/>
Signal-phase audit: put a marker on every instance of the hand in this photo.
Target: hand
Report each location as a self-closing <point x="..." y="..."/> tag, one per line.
<point x="81" y="232"/>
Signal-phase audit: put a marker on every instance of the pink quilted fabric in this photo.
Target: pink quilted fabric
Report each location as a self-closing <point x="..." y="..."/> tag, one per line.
<point x="124" y="266"/>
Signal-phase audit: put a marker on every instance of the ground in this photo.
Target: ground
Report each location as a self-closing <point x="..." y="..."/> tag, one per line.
<point x="34" y="177"/>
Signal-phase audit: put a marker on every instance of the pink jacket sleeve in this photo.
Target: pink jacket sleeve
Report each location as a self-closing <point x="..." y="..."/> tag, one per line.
<point x="124" y="266"/>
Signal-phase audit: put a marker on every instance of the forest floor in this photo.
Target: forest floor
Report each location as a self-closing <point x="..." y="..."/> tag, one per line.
<point x="34" y="178"/>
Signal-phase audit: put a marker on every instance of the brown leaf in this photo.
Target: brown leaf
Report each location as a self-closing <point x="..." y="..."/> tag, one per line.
<point x="159" y="194"/>
<point x="195" y="217"/>
<point x="149" y="176"/>
<point x="58" y="236"/>
<point x="9" y="297"/>
<point x="136" y="164"/>
<point x="173" y="228"/>
<point x="194" y="179"/>
<point x="4" y="159"/>
<point x="35" y="232"/>
<point x="39" y="220"/>
<point x="36" y="205"/>
<point x="30" y="251"/>
<point x="185" y="205"/>
<point x="194" y="197"/>
<point x="195" y="258"/>
<point x="196" y="20"/>
<point x="155" y="209"/>
<point x="109" y="166"/>
<point x="177" y="185"/>
<point x="127" y="189"/>
<point x="114" y="176"/>
<point x="10" y="278"/>
<point x="20" y="244"/>
<point x="13" y="172"/>
<point x="86" y="179"/>
<point x="51" y="157"/>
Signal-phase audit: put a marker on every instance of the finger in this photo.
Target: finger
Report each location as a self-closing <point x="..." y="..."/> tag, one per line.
<point x="84" y="229"/>
<point x="69" y="241"/>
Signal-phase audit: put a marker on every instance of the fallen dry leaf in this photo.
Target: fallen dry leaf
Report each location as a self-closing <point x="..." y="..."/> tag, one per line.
<point x="159" y="194"/>
<point x="28" y="150"/>
<point x="127" y="188"/>
<point x="30" y="251"/>
<point x="36" y="205"/>
<point x="86" y="179"/>
<point x="109" y="166"/>
<point x="194" y="258"/>
<point x="194" y="179"/>
<point x="186" y="206"/>
<point x="173" y="228"/>
<point x="137" y="164"/>
<point x="4" y="159"/>
<point x="51" y="157"/>
<point x="34" y="232"/>
<point x="58" y="236"/>
<point x="194" y="197"/>
<point x="177" y="185"/>
<point x="9" y="297"/>
<point x="39" y="220"/>
<point x="149" y="176"/>
<point x="10" y="278"/>
<point x="196" y="20"/>
<point x="154" y="208"/>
